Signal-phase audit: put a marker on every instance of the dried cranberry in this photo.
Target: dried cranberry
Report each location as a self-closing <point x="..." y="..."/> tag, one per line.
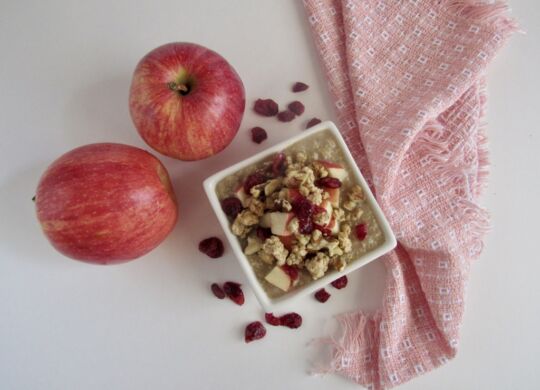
<point x="306" y="227"/>
<point x="231" y="206"/>
<point x="234" y="292"/>
<point x="258" y="135"/>
<point x="286" y="116"/>
<point x="299" y="87"/>
<point x="291" y="271"/>
<point x="340" y="283"/>
<point x="322" y="295"/>
<point x="253" y="180"/>
<point x="263" y="233"/>
<point x="266" y="107"/>
<point x="303" y="209"/>
<point x="254" y="331"/>
<point x="318" y="209"/>
<point x="296" y="107"/>
<point x="291" y="320"/>
<point x="312" y="122"/>
<point x="218" y="292"/>
<point x="361" y="231"/>
<point x="328" y="182"/>
<point x="212" y="247"/>
<point x="272" y="319"/>
<point x="279" y="164"/>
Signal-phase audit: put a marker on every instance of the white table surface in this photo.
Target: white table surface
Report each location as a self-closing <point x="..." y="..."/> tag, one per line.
<point x="65" y="70"/>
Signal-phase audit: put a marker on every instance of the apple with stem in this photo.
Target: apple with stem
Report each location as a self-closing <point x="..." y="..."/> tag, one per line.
<point x="186" y="101"/>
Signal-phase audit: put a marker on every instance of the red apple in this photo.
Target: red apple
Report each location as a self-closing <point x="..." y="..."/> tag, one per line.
<point x="106" y="203"/>
<point x="186" y="101"/>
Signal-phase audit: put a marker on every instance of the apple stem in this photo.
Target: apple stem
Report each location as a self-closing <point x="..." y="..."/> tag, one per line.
<point x="182" y="89"/>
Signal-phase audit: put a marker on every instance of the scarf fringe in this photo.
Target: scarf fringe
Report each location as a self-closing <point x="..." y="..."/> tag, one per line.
<point x="354" y="336"/>
<point x="483" y="152"/>
<point x="483" y="160"/>
<point x="448" y="162"/>
<point x="481" y="11"/>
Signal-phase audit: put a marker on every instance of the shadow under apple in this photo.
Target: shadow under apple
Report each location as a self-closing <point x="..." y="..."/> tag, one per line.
<point x="196" y="222"/>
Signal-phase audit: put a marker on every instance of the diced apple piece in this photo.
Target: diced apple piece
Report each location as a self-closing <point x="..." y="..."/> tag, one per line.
<point x="338" y="173"/>
<point x="279" y="223"/>
<point x="292" y="194"/>
<point x="241" y="194"/>
<point x="292" y="272"/>
<point x="279" y="278"/>
<point x="335" y="170"/>
<point x="329" y="164"/>
<point x="327" y="206"/>
<point x="334" y="196"/>
<point x="287" y="241"/>
<point x="266" y="220"/>
<point x="333" y="226"/>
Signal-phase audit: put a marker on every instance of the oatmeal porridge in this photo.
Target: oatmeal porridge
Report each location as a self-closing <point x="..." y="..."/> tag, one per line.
<point x="299" y="214"/>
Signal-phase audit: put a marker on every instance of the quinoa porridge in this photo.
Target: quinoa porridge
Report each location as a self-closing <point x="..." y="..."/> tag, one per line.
<point x="299" y="214"/>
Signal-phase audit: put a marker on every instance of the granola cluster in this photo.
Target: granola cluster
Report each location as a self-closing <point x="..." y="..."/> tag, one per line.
<point x="293" y="215"/>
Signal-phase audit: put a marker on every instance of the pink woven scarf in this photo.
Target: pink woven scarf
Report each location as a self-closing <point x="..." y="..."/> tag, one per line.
<point x="407" y="82"/>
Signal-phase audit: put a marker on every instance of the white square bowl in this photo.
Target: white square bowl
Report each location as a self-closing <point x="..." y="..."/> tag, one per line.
<point x="268" y="303"/>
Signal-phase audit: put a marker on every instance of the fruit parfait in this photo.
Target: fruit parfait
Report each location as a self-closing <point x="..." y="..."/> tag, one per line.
<point x="299" y="214"/>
